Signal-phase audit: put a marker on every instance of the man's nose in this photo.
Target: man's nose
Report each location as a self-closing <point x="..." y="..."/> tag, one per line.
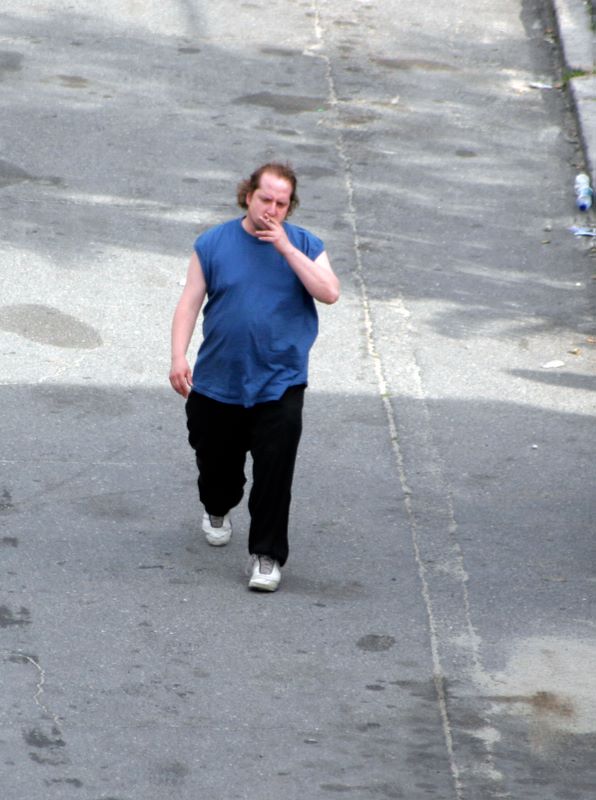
<point x="271" y="208"/>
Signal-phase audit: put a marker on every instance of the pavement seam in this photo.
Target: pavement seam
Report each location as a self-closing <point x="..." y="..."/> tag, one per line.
<point x="438" y="677"/>
<point x="475" y="669"/>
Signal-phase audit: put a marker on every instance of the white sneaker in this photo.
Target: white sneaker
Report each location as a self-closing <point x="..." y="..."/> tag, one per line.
<point x="265" y="573"/>
<point x="218" y="530"/>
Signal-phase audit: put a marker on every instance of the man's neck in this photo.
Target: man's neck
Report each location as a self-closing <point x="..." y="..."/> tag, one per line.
<point x="246" y="224"/>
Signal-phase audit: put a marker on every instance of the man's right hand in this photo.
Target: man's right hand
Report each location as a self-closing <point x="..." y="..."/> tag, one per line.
<point x="181" y="376"/>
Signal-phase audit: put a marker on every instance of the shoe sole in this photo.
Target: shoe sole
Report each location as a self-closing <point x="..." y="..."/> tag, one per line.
<point x="263" y="586"/>
<point x="219" y="542"/>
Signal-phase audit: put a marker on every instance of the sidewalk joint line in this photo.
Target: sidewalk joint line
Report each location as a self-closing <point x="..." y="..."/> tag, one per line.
<point x="439" y="677"/>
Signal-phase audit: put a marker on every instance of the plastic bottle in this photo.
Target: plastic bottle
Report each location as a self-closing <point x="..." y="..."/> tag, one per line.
<point x="583" y="192"/>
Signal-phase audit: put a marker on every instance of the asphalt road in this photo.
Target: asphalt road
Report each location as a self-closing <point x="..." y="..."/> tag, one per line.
<point x="433" y="636"/>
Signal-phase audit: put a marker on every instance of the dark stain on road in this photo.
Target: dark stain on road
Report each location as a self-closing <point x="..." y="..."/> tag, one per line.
<point x="47" y="325"/>
<point x="11" y="174"/>
<point x="68" y="781"/>
<point x="359" y="119"/>
<point x="10" y="61"/>
<point x="283" y="103"/>
<point x="413" y="63"/>
<point x="6" y="504"/>
<point x="318" y="149"/>
<point x="541" y="702"/>
<point x="367" y="726"/>
<point x="79" y="402"/>
<point x="37" y="738"/>
<point x="49" y="748"/>
<point x="318" y="172"/>
<point x="550" y="703"/>
<point x="112" y="506"/>
<point x="425" y="690"/>
<point x="9" y="617"/>
<point x="280" y="51"/>
<point x="73" y="81"/>
<point x="376" y="790"/>
<point x="171" y="773"/>
<point x="375" y="642"/>
<point x="23" y="658"/>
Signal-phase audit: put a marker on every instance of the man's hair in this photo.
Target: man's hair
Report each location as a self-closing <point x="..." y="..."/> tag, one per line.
<point x="284" y="171"/>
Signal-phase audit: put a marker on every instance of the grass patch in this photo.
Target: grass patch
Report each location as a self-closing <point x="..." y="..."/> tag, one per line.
<point x="569" y="74"/>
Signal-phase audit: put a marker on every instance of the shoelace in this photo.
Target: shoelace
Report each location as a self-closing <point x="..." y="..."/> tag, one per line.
<point x="265" y="565"/>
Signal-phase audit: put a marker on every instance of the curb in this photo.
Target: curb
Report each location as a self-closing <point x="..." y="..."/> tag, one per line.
<point x="576" y="37"/>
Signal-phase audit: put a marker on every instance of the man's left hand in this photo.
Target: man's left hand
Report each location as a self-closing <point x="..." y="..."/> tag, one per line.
<point x="274" y="233"/>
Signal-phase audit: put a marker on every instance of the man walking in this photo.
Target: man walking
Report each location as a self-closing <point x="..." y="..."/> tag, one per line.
<point x="260" y="275"/>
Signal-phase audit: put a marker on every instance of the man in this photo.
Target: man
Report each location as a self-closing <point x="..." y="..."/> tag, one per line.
<point x="260" y="275"/>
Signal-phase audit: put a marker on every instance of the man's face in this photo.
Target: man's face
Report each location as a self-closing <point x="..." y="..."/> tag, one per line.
<point x="270" y="201"/>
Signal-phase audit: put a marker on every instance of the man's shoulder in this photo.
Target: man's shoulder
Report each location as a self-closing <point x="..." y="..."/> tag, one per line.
<point x="304" y="239"/>
<point x="216" y="232"/>
<point x="291" y="226"/>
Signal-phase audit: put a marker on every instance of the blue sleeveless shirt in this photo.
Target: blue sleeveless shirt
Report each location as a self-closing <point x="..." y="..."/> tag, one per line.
<point x="259" y="321"/>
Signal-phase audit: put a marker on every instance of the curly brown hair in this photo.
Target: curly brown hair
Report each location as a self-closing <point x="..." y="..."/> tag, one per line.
<point x="249" y="185"/>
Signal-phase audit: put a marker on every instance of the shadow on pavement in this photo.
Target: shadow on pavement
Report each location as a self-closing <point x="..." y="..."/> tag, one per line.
<point x="152" y="650"/>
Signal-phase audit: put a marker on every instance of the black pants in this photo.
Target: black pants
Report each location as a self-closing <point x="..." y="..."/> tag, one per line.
<point x="221" y="435"/>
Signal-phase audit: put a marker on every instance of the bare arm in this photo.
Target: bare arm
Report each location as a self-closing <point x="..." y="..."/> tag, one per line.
<point x="317" y="276"/>
<point x="183" y="325"/>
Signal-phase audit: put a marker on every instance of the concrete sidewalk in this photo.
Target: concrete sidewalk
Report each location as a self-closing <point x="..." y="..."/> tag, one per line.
<point x="577" y="37"/>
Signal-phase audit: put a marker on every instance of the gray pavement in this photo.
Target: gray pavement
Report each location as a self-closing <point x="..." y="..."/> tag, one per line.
<point x="434" y="633"/>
